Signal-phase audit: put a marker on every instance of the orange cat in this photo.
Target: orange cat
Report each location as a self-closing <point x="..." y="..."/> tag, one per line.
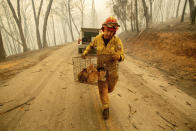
<point x="83" y="76"/>
<point x="92" y="74"/>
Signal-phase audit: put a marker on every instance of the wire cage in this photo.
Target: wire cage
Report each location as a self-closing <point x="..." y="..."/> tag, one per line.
<point x="79" y="64"/>
<point x="102" y="60"/>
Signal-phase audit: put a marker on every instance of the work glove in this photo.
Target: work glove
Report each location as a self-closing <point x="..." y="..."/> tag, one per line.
<point x="115" y="57"/>
<point x="83" y="56"/>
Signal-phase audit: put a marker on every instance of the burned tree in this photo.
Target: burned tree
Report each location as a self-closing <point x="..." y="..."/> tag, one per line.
<point x="18" y="22"/>
<point x="178" y="8"/>
<point x="192" y="8"/>
<point x="45" y="44"/>
<point x="2" y="50"/>
<point x="36" y="18"/>
<point x="120" y="9"/>
<point x="136" y="13"/>
<point x="146" y="14"/>
<point x="183" y="12"/>
<point x="70" y="20"/>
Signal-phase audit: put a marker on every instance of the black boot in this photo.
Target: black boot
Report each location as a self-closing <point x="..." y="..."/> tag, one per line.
<point x="106" y="113"/>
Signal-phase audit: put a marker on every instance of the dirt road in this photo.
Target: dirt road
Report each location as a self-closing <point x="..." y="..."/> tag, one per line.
<point x="45" y="97"/>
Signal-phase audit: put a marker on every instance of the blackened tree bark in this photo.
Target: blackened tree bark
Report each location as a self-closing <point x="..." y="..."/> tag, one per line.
<point x="45" y="44"/>
<point x="18" y="22"/>
<point x="146" y="14"/>
<point x="2" y="50"/>
<point x="36" y="18"/>
<point x="178" y="8"/>
<point x="136" y="13"/>
<point x="192" y="11"/>
<point x="182" y="18"/>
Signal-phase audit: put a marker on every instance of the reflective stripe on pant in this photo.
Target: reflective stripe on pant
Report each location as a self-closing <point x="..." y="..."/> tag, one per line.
<point x="106" y="87"/>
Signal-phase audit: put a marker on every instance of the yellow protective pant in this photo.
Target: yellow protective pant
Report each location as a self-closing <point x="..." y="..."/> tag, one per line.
<point x="106" y="87"/>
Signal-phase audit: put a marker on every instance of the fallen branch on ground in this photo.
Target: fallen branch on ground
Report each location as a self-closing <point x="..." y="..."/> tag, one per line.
<point x="131" y="91"/>
<point x="17" y="106"/>
<point x="166" y="119"/>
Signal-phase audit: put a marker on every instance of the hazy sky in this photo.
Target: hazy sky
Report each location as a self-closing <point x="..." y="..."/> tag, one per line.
<point x="101" y="9"/>
<point x="100" y="4"/>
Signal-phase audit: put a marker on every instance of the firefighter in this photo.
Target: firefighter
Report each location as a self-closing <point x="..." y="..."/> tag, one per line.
<point x="110" y="46"/>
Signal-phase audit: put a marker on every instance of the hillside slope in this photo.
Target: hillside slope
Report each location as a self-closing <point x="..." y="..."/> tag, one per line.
<point x="170" y="47"/>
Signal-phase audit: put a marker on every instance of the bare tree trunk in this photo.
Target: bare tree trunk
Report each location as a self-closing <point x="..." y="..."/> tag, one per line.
<point x="10" y="28"/>
<point x="125" y="21"/>
<point x="48" y="37"/>
<point x="15" y="33"/>
<point x="36" y="18"/>
<point x="125" y="25"/>
<point x="11" y="46"/>
<point x="45" y="23"/>
<point x="64" y="31"/>
<point x="151" y="2"/>
<point x="192" y="11"/>
<point x="178" y="8"/>
<point x="173" y="11"/>
<point x="2" y="27"/>
<point x="54" y="35"/>
<point x="182" y="18"/>
<point x="120" y="11"/>
<point x="134" y="21"/>
<point x="70" y="25"/>
<point x="136" y="12"/>
<point x="75" y="25"/>
<point x="31" y="40"/>
<point x="8" y="45"/>
<point x="161" y="12"/>
<point x="93" y="13"/>
<point x="64" y="22"/>
<point x="7" y="40"/>
<point x="146" y="13"/>
<point x="2" y="50"/>
<point x="167" y="9"/>
<point x="121" y="23"/>
<point x="19" y="23"/>
<point x="82" y="17"/>
<point x="81" y="10"/>
<point x="155" y="13"/>
<point x="59" y="34"/>
<point x="132" y="28"/>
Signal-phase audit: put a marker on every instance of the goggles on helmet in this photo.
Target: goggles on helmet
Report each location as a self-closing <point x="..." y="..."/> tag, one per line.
<point x="112" y="25"/>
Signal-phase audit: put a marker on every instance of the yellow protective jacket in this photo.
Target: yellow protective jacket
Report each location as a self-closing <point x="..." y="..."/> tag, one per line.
<point x="114" y="46"/>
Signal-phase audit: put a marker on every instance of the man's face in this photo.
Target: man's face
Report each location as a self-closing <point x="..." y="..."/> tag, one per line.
<point x="108" y="34"/>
